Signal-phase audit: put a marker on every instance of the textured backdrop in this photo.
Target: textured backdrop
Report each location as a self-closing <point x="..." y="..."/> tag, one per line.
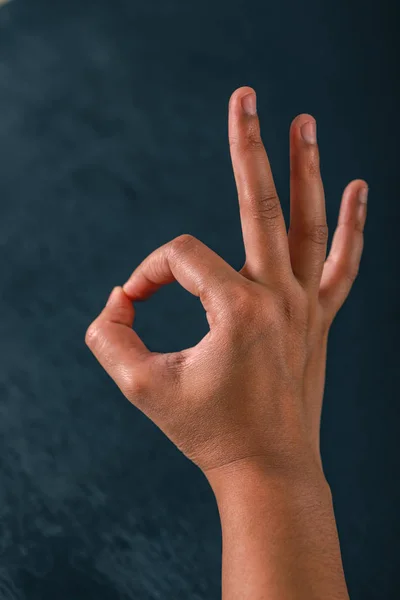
<point x="113" y="140"/>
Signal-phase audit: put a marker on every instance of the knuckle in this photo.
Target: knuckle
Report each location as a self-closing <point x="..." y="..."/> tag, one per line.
<point x="92" y="334"/>
<point x="249" y="140"/>
<point x="134" y="386"/>
<point x="266" y="206"/>
<point x="244" y="307"/>
<point x="252" y="140"/>
<point x="97" y="335"/>
<point x="312" y="166"/>
<point x="293" y="306"/>
<point x="317" y="233"/>
<point x="182" y="242"/>
<point x="239" y="300"/>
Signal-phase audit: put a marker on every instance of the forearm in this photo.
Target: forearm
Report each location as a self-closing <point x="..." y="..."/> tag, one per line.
<point x="279" y="536"/>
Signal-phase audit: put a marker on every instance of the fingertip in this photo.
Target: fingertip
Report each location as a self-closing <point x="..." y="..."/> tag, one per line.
<point x="114" y="296"/>
<point x="350" y="199"/>
<point x="119" y="307"/>
<point x="303" y="135"/>
<point x="138" y="289"/>
<point x="300" y="120"/>
<point x="128" y="289"/>
<point x="355" y="185"/>
<point x="243" y="103"/>
<point x="239" y="93"/>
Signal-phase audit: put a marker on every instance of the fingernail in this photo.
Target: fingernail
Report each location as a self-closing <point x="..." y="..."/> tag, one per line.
<point x="362" y="207"/>
<point x="113" y="295"/>
<point x="309" y="132"/>
<point x="249" y="104"/>
<point x="363" y="195"/>
<point x="127" y="285"/>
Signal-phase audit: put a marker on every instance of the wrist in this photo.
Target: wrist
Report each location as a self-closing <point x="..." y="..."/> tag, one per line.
<point x="255" y="477"/>
<point x="275" y="521"/>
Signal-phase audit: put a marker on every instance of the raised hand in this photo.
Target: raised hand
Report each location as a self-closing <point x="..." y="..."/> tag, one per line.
<point x="253" y="386"/>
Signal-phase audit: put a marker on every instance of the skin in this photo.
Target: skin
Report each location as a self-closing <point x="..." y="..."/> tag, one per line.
<point x="244" y="404"/>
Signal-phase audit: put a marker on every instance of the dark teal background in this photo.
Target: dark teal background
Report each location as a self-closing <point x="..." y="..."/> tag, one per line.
<point x="113" y="140"/>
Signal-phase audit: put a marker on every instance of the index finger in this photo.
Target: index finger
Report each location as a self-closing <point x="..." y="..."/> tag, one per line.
<point x="191" y="263"/>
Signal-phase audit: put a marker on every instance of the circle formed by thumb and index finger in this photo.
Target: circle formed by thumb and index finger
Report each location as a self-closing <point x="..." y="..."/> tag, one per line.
<point x="196" y="267"/>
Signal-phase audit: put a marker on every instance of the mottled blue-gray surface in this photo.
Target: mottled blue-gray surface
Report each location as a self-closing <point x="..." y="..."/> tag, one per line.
<point x="113" y="140"/>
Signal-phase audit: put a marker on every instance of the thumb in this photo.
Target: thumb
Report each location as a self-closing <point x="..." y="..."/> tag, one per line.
<point x="117" y="347"/>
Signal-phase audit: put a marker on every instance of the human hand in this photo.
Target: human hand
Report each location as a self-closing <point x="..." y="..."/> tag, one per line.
<point x="253" y="386"/>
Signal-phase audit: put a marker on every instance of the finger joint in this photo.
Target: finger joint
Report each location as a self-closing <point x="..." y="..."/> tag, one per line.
<point x="315" y="232"/>
<point x="266" y="206"/>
